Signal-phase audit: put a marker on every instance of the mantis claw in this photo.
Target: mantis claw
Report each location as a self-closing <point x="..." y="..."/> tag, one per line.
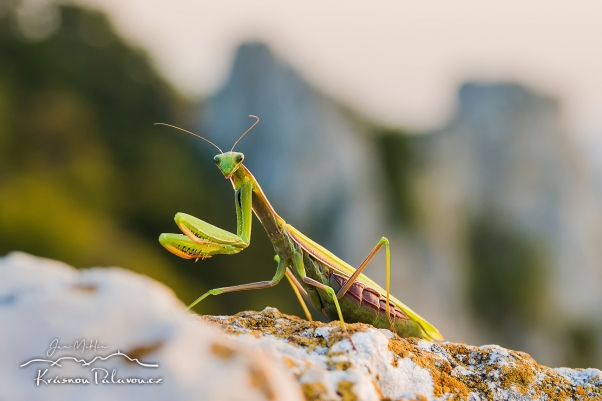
<point x="182" y="246"/>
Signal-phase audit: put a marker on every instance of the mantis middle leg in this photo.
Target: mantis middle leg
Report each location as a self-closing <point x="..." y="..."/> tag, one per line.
<point x="280" y="272"/>
<point x="299" y="266"/>
<point x="298" y="289"/>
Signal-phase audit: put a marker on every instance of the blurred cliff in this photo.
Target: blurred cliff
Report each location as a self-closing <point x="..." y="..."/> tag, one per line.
<point x="493" y="219"/>
<point x="515" y="198"/>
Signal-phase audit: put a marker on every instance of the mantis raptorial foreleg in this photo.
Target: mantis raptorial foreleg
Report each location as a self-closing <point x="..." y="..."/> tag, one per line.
<point x="203" y="240"/>
<point x="383" y="241"/>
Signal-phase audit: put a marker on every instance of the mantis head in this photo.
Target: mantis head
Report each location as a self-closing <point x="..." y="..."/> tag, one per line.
<point x="228" y="162"/>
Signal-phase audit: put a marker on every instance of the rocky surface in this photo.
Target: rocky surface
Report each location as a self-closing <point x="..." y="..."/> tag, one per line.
<point x="388" y="367"/>
<point x="142" y="332"/>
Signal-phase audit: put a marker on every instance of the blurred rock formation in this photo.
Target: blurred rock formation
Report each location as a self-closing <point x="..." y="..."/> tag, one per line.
<point x="493" y="219"/>
<point x="518" y="215"/>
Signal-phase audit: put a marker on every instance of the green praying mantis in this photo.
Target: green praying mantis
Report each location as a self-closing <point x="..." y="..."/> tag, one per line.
<point x="316" y="275"/>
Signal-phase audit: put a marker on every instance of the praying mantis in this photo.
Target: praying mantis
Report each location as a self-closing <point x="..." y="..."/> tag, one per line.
<point x="316" y="275"/>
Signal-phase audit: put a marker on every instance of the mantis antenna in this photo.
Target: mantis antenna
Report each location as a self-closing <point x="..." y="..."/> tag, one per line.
<point x="245" y="133"/>
<point x="198" y="136"/>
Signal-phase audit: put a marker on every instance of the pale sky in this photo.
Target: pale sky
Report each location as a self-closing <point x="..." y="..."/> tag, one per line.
<point x="399" y="62"/>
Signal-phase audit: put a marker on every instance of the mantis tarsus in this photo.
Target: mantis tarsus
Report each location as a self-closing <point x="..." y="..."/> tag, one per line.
<point x="317" y="276"/>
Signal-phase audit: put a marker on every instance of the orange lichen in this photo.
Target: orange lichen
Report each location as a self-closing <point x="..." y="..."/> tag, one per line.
<point x="222" y="351"/>
<point x="289" y="362"/>
<point x="315" y="391"/>
<point x="143" y="350"/>
<point x="260" y="381"/>
<point x="345" y="390"/>
<point x="85" y="287"/>
<point x="439" y="369"/>
<point x="339" y="365"/>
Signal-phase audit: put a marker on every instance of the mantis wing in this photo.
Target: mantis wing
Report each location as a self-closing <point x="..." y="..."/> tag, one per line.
<point x="335" y="263"/>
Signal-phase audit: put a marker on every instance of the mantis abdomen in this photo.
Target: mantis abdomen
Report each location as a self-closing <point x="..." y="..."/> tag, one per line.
<point x="361" y="303"/>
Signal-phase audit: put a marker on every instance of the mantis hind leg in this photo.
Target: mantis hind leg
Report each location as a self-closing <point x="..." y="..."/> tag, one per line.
<point x="383" y="241"/>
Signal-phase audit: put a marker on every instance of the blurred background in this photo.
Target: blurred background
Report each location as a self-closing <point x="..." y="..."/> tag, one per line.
<point x="467" y="133"/>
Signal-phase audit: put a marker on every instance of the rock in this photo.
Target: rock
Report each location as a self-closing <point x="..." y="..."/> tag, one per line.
<point x="43" y="300"/>
<point x="388" y="367"/>
<point x="144" y="335"/>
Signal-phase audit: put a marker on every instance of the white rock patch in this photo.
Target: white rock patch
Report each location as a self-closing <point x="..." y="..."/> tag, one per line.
<point x="43" y="300"/>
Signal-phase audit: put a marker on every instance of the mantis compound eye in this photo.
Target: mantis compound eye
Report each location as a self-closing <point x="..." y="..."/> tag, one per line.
<point x="216" y="159"/>
<point x="239" y="158"/>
